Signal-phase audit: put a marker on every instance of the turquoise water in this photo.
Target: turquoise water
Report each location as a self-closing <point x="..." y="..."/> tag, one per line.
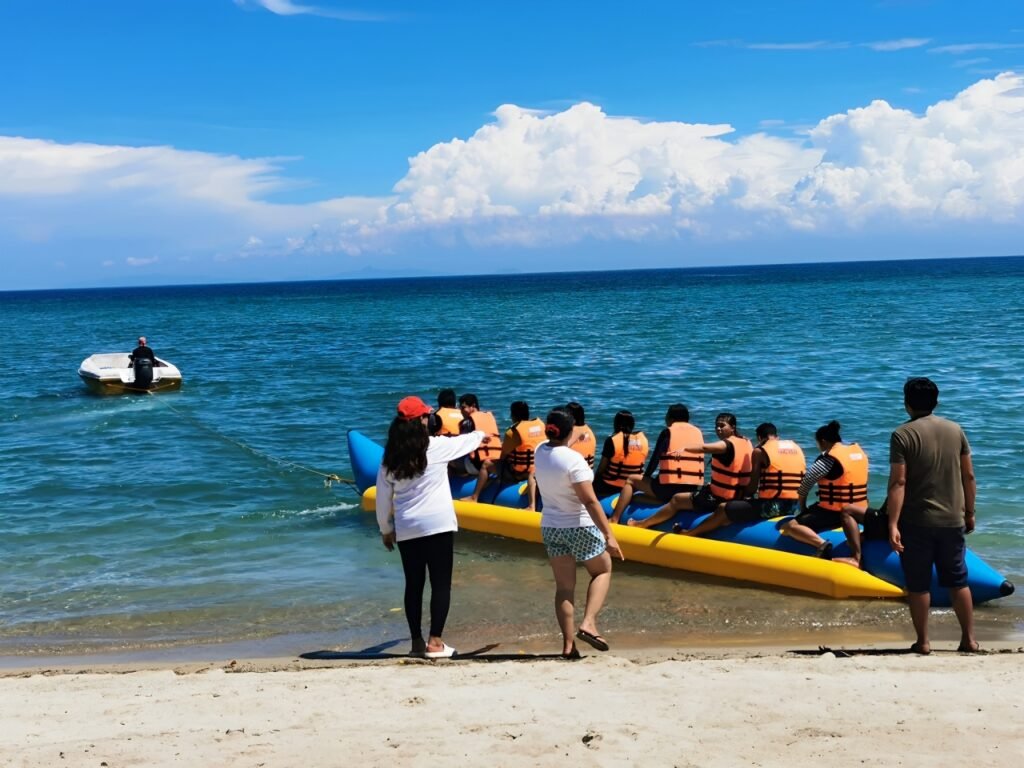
<point x="145" y="522"/>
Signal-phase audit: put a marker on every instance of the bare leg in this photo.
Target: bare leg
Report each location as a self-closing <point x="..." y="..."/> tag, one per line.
<point x="802" y="533"/>
<point x="482" y="478"/>
<point x="564" y="569"/>
<point x="531" y="491"/>
<point x="712" y="522"/>
<point x="633" y="483"/>
<point x="963" y="607"/>
<point x="600" y="570"/>
<point x="677" y="503"/>
<point x="851" y="515"/>
<point x="920" y="603"/>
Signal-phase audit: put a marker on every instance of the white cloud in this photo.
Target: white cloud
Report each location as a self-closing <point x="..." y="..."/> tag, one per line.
<point x="962" y="48"/>
<point x="525" y="177"/>
<point x="812" y="45"/>
<point x="901" y="44"/>
<point x="961" y="160"/>
<point x="291" y="8"/>
<point x="537" y="180"/>
<point x="962" y="63"/>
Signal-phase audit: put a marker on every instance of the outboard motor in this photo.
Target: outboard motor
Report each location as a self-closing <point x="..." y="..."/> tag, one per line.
<point x="143" y="372"/>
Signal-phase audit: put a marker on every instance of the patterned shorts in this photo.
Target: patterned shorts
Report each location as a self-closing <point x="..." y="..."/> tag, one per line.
<point x="582" y="543"/>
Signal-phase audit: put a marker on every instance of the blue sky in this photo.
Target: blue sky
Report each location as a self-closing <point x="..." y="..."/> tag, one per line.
<point x="169" y="141"/>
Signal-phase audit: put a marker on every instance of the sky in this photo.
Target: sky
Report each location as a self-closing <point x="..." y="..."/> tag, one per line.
<point x="149" y="142"/>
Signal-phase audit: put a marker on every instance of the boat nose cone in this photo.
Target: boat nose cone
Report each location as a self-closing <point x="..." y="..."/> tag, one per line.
<point x="1006" y="588"/>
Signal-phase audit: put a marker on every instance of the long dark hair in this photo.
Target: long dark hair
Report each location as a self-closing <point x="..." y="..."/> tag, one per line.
<point x="405" y="454"/>
<point x="578" y="414"/>
<point x="829" y="433"/>
<point x="624" y="423"/>
<point x="558" y="426"/>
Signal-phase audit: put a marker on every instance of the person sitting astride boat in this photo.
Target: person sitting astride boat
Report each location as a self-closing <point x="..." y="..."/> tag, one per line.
<point x="517" y="447"/>
<point x="484" y="460"/>
<point x="583" y="440"/>
<point x="841" y="474"/>
<point x="449" y="416"/>
<point x="678" y="472"/>
<point x="142" y="360"/>
<point x="776" y="470"/>
<point x="622" y="455"/>
<point x="876" y="526"/>
<point x="730" y="474"/>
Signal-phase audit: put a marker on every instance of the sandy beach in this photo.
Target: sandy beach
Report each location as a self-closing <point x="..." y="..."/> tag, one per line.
<point x="651" y="707"/>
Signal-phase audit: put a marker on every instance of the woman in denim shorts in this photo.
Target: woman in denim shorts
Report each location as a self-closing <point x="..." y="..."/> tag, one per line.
<point x="575" y="530"/>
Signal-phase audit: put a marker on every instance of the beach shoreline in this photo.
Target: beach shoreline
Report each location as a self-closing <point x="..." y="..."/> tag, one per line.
<point x="541" y="639"/>
<point x="760" y="706"/>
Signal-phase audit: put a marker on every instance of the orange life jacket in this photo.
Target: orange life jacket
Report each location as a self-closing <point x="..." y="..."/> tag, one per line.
<point x="687" y="468"/>
<point x="785" y="471"/>
<point x="851" y="487"/>
<point x="584" y="443"/>
<point x="483" y="421"/>
<point x="450" y="420"/>
<point x="622" y="464"/>
<point x="519" y="457"/>
<point x="728" y="481"/>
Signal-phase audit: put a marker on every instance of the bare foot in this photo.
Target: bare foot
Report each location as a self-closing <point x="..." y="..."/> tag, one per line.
<point x="847" y="561"/>
<point x="969" y="646"/>
<point x="921" y="649"/>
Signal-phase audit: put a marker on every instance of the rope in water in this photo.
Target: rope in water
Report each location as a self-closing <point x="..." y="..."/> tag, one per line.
<point x="329" y="477"/>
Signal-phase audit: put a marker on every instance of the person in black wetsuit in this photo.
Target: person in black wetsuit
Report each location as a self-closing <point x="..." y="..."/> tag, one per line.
<point x="140" y="352"/>
<point x="143" y="361"/>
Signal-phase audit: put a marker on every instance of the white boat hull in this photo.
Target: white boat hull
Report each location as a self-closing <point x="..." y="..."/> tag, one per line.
<point x="109" y="374"/>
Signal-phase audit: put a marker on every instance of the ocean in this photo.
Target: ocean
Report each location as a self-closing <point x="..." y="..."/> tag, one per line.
<point x="198" y="522"/>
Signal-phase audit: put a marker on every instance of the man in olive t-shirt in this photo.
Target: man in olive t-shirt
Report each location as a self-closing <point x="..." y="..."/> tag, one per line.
<point x="931" y="507"/>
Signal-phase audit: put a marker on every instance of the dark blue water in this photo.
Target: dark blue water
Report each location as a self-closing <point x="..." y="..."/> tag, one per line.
<point x="139" y="522"/>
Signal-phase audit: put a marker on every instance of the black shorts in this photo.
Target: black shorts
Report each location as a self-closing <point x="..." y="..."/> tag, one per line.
<point x="755" y="510"/>
<point x="664" y="493"/>
<point x="507" y="475"/>
<point x="819" y="519"/>
<point x="704" y="500"/>
<point x="924" y="547"/>
<point x="603" y="490"/>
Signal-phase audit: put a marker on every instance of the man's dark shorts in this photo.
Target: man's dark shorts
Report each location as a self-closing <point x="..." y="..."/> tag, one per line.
<point x="664" y="493"/>
<point x="819" y="519"/>
<point x="755" y="510"/>
<point x="705" y="501"/>
<point x="923" y="547"/>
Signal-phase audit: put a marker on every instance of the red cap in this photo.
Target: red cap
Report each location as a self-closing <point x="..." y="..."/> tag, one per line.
<point x="412" y="407"/>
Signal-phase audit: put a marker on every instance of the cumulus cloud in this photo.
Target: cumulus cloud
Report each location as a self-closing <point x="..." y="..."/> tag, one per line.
<point x="527" y="178"/>
<point x="539" y="180"/>
<point x="962" y="159"/>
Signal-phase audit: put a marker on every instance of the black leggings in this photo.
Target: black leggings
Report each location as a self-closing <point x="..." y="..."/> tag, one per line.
<point x="433" y="555"/>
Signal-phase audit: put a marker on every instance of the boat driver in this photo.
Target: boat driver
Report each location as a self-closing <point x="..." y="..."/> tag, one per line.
<point x="140" y="352"/>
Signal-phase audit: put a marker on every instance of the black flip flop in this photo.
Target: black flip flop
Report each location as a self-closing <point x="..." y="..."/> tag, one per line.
<point x="596" y="641"/>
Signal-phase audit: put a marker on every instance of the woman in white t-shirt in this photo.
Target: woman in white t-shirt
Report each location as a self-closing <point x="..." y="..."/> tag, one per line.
<point x="414" y="508"/>
<point x="575" y="530"/>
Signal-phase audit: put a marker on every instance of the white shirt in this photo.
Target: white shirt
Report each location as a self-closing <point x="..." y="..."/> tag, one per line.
<point x="422" y="505"/>
<point x="556" y="469"/>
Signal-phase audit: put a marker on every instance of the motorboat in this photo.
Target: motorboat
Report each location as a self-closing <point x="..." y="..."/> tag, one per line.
<point x="112" y="373"/>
